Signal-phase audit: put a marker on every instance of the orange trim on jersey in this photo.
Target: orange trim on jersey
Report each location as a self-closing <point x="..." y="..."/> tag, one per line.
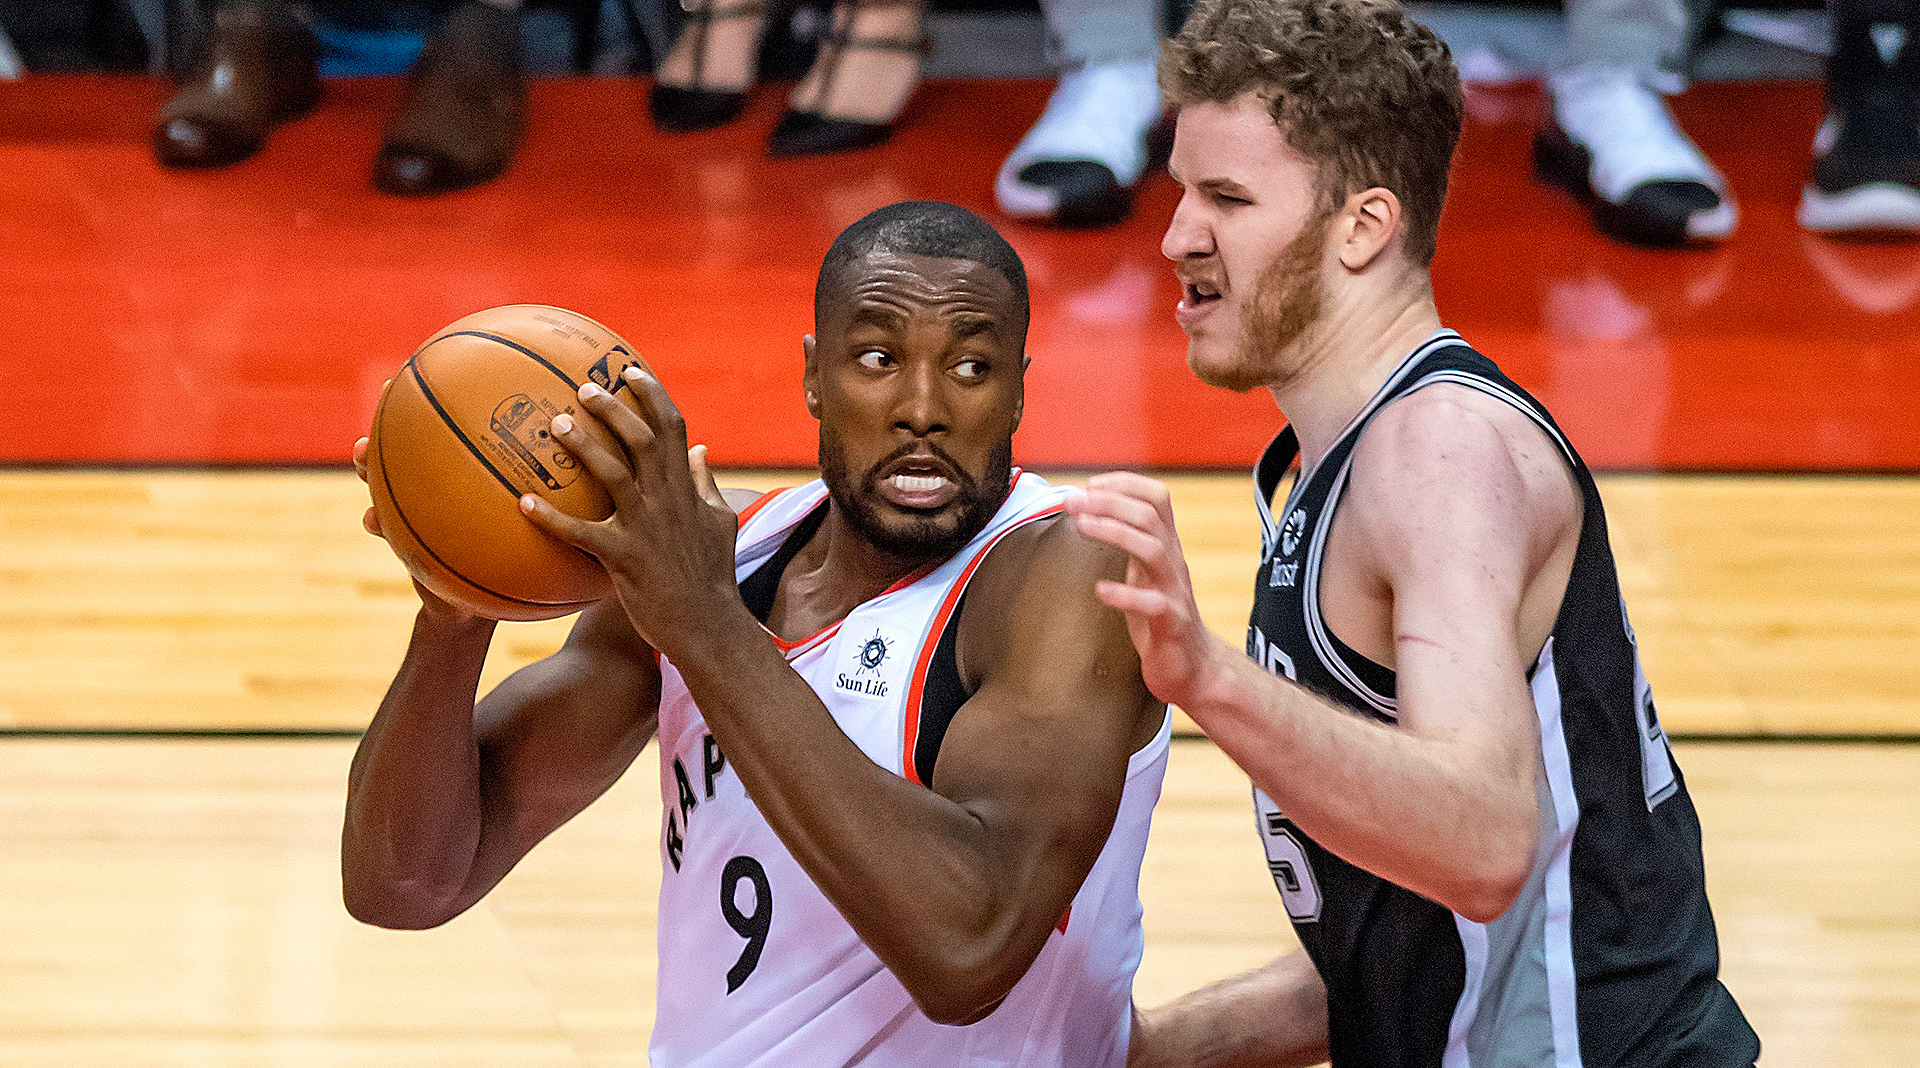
<point x="794" y="648"/>
<point x="917" y="689"/>
<point x="740" y="521"/>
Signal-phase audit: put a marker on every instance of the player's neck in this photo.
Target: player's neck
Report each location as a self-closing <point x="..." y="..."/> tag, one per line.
<point x="1351" y="353"/>
<point x="835" y="572"/>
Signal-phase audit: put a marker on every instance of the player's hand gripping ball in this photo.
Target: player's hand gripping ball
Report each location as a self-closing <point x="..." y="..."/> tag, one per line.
<point x="464" y="429"/>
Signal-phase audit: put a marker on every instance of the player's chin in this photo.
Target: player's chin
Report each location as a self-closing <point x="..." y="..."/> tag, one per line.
<point x="917" y="532"/>
<point x="1222" y="366"/>
<point x="906" y="522"/>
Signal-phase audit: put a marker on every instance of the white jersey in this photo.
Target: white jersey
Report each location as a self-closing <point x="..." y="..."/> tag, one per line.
<point x="757" y="967"/>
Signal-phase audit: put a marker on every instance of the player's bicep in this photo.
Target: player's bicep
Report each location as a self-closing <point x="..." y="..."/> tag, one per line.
<point x="1040" y="752"/>
<point x="1449" y="522"/>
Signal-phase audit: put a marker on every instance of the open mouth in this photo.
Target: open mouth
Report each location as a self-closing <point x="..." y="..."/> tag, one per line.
<point x="910" y="482"/>
<point x="918" y="482"/>
<point x="1199" y="294"/>
<point x="1197" y="298"/>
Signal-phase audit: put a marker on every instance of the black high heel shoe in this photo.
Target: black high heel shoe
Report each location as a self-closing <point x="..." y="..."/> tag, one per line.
<point x="816" y="133"/>
<point x="685" y="109"/>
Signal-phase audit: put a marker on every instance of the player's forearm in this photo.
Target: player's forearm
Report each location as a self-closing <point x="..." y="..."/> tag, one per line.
<point x="414" y="810"/>
<point x="914" y="873"/>
<point x="1438" y="817"/>
<point x="1272" y="1017"/>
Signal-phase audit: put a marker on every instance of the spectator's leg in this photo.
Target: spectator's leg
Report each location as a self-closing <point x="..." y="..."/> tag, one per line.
<point x="465" y="105"/>
<point x="1611" y="139"/>
<point x="258" y="68"/>
<point x="703" y="81"/>
<point x="866" y="70"/>
<point x="1079" y="163"/>
<point x="1866" y="169"/>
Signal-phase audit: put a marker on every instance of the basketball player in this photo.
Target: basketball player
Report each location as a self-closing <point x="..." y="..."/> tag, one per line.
<point x="907" y="758"/>
<point x="1472" y="817"/>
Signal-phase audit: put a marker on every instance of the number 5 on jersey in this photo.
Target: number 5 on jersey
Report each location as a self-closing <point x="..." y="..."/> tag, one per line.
<point x="1287" y="860"/>
<point x="1286" y="857"/>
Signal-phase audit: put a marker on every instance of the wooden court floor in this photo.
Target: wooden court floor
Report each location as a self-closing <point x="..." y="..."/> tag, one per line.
<point x="168" y="902"/>
<point x="250" y="600"/>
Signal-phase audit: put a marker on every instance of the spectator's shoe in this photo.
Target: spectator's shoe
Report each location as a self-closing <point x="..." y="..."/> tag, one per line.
<point x="1612" y="143"/>
<point x="702" y="106"/>
<point x="1078" y="165"/>
<point x="1866" y="162"/>
<point x="815" y="130"/>
<point x="465" y="106"/>
<point x="260" y="69"/>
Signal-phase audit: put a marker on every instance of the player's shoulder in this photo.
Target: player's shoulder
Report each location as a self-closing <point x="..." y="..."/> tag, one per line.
<point x="1448" y="422"/>
<point x="1050" y="549"/>
<point x="1031" y="614"/>
<point x="1449" y="450"/>
<point x="1048" y="558"/>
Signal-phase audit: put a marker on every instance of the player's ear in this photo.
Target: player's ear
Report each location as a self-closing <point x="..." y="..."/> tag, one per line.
<point x="1367" y="226"/>
<point x="810" y="377"/>
<point x="1020" y="402"/>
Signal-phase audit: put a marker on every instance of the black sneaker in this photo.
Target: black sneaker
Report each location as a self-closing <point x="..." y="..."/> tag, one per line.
<point x="1866" y="165"/>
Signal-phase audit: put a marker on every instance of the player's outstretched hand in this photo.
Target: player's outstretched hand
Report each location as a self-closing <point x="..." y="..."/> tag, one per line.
<point x="1135" y="513"/>
<point x="668" y="545"/>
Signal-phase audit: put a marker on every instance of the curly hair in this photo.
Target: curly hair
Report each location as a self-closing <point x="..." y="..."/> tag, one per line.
<point x="1356" y="86"/>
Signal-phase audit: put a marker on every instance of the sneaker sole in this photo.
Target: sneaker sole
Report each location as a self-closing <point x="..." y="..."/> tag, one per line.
<point x="1021" y="200"/>
<point x="1876" y="206"/>
<point x="1558" y="161"/>
<point x="1043" y="204"/>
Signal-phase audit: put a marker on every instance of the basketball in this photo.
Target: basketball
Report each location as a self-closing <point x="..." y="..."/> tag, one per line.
<point x="462" y="432"/>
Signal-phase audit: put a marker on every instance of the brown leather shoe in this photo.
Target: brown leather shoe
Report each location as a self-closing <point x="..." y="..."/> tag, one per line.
<point x="260" y="68"/>
<point x="466" y="103"/>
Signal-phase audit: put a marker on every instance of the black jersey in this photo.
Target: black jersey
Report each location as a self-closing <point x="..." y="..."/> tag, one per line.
<point x="1608" y="957"/>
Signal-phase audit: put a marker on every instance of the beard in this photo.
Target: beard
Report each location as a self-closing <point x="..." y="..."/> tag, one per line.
<point x="1288" y="297"/>
<point x="916" y="536"/>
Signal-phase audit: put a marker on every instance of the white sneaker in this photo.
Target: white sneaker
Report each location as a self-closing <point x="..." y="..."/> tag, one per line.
<point x="1078" y="165"/>
<point x="1613" y="143"/>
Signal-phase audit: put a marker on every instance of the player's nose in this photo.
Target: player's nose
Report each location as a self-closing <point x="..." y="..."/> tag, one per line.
<point x="1187" y="233"/>
<point x="921" y="405"/>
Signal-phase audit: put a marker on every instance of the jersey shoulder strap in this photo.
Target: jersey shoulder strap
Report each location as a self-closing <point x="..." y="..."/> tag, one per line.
<point x="763" y="525"/>
<point x="935" y="693"/>
<point x="1459" y="364"/>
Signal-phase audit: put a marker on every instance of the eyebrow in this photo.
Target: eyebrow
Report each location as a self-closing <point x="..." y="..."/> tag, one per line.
<point x="971" y="326"/>
<point x="963" y="326"/>
<point x="875" y="316"/>
<point x="1223" y="185"/>
<point x="1208" y="183"/>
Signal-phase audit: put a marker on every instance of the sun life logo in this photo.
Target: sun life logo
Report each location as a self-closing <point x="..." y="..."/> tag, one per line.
<point x="865" y="680"/>
<point x="873" y="654"/>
